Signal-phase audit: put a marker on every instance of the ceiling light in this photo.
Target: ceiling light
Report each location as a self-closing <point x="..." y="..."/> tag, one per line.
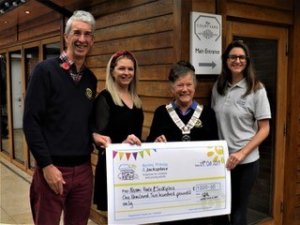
<point x="7" y="5"/>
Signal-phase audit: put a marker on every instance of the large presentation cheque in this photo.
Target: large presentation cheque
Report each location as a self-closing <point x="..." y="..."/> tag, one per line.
<point x="158" y="182"/>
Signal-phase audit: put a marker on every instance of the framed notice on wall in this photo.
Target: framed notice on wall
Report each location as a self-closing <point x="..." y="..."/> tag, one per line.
<point x="158" y="182"/>
<point x="206" y="42"/>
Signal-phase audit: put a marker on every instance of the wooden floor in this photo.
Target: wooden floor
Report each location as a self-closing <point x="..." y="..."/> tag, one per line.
<point x="14" y="199"/>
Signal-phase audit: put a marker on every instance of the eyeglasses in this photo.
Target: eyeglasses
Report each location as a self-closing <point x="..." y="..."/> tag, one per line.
<point x="78" y="33"/>
<point x="242" y="58"/>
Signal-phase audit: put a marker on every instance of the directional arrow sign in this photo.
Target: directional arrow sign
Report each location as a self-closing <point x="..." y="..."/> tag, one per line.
<point x="212" y="64"/>
<point x="206" y="42"/>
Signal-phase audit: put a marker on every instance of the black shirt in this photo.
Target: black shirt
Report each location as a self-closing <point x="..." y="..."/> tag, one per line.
<point x="115" y="121"/>
<point x="163" y="124"/>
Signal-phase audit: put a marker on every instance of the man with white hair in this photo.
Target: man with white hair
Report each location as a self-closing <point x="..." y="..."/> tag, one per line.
<point x="58" y="106"/>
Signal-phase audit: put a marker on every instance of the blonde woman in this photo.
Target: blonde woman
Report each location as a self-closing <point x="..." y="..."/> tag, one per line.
<point x="118" y="115"/>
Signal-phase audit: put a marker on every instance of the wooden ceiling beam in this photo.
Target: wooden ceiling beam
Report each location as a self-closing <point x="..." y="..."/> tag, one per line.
<point x="56" y="8"/>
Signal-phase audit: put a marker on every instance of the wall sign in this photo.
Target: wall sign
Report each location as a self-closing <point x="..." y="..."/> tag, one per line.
<point x="206" y="42"/>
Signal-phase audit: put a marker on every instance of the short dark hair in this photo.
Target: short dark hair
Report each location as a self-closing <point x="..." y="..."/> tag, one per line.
<point x="181" y="68"/>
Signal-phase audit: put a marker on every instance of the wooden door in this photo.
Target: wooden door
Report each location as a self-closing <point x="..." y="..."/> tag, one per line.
<point x="268" y="49"/>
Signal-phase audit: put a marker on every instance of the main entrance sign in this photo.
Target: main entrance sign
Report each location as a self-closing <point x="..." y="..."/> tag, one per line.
<point x="206" y="42"/>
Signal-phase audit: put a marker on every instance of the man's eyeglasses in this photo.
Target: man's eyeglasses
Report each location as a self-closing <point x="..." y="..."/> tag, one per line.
<point x="78" y="33"/>
<point x="242" y="58"/>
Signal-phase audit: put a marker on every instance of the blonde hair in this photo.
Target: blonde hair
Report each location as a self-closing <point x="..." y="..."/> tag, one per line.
<point x="110" y="82"/>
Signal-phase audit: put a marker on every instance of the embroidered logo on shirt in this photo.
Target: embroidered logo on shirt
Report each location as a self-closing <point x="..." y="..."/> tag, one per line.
<point x="241" y="102"/>
<point x="89" y="93"/>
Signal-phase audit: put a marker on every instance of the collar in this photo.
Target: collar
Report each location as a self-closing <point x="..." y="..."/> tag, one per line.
<point x="192" y="107"/>
<point x="242" y="84"/>
<point x="66" y="62"/>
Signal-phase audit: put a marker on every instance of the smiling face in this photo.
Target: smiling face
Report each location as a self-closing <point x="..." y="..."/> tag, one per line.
<point x="123" y="73"/>
<point x="183" y="90"/>
<point x="79" y="41"/>
<point x="236" y="61"/>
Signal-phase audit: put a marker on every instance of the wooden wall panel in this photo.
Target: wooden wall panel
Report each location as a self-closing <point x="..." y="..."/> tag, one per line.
<point x="154" y="72"/>
<point x="297" y="213"/>
<point x="113" y="13"/>
<point x="41" y="22"/>
<point x="154" y="89"/>
<point x="147" y="26"/>
<point x="148" y="119"/>
<point x="149" y="105"/>
<point x="258" y="13"/>
<point x="149" y="57"/>
<point x="148" y="35"/>
<point x="49" y="23"/>
<point x="145" y="133"/>
<point x="136" y="43"/>
<point x="152" y="57"/>
<point x="208" y="6"/>
<point x="297" y="200"/>
<point x="99" y="73"/>
<point x="94" y="158"/>
<point x="292" y="168"/>
<point x="282" y="5"/>
<point x="8" y="37"/>
<point x="100" y="87"/>
<point x="34" y="32"/>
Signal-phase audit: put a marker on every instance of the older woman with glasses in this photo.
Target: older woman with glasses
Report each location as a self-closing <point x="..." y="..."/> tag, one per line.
<point x="118" y="115"/>
<point x="243" y="113"/>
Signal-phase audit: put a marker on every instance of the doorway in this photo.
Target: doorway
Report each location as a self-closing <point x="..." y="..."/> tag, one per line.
<point x="4" y="125"/>
<point x="31" y="59"/>
<point x="268" y="49"/>
<point x="16" y="64"/>
<point x="17" y="98"/>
